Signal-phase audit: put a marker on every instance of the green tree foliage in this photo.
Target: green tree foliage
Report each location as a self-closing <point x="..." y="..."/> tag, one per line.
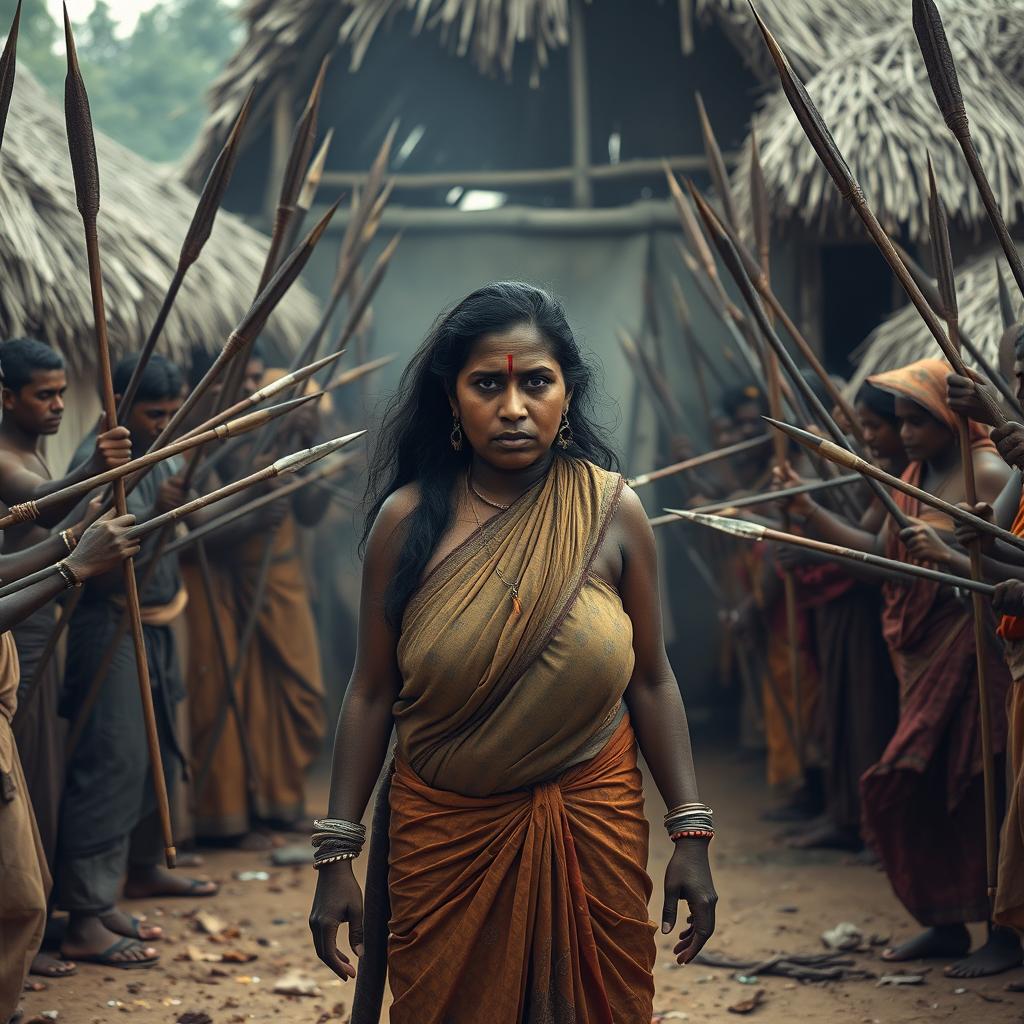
<point x="146" y="89"/>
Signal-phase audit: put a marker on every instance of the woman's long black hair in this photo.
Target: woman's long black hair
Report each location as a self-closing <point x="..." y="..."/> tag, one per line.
<point x="414" y="439"/>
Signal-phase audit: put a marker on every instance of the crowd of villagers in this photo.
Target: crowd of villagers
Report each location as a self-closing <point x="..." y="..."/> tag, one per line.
<point x="78" y="815"/>
<point x="872" y="730"/>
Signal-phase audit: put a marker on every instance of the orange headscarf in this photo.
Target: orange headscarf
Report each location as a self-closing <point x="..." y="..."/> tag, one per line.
<point x="924" y="382"/>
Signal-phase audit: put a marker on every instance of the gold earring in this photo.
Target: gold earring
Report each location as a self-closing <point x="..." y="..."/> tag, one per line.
<point x="456" y="435"/>
<point x="565" y="437"/>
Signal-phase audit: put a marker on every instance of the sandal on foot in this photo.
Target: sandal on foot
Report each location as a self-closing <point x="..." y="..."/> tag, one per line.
<point x="108" y="958"/>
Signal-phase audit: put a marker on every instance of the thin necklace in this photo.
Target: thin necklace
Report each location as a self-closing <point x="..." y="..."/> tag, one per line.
<point x="486" y="501"/>
<point x="513" y="587"/>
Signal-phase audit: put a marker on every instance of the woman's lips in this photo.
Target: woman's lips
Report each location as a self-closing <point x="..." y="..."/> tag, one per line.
<point x="513" y="442"/>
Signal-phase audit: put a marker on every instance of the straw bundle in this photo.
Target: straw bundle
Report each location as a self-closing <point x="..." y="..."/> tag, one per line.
<point x="143" y="219"/>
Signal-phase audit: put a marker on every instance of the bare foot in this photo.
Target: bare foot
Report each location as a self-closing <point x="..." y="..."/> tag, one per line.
<point x="121" y="923"/>
<point x="46" y="965"/>
<point x="932" y="944"/>
<point x="826" y="837"/>
<point x="89" y="941"/>
<point x="146" y="882"/>
<point x="1001" y="953"/>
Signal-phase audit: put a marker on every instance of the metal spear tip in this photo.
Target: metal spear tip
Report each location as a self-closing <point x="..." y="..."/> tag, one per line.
<point x="296" y="461"/>
<point x="938" y="60"/>
<point x="804" y="437"/>
<point x="736" y="527"/>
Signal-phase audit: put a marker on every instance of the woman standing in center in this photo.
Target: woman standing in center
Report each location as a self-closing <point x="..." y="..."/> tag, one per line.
<point x="510" y="631"/>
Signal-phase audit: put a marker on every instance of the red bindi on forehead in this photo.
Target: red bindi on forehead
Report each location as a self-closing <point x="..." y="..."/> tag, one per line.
<point x="510" y="363"/>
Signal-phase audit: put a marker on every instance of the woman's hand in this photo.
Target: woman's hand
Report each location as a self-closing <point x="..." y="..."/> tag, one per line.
<point x="337" y="900"/>
<point x="688" y="877"/>
<point x="103" y="546"/>
<point x="802" y="505"/>
<point x="967" y="535"/>
<point x="924" y="543"/>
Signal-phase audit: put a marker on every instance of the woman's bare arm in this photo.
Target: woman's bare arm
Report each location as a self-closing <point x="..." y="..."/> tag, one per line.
<point x="659" y="720"/>
<point x="363" y="733"/>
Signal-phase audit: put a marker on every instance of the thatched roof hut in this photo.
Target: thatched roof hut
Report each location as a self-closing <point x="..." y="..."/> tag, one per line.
<point x="144" y="215"/>
<point x="287" y="39"/>
<point x="904" y="338"/>
<point x="863" y="68"/>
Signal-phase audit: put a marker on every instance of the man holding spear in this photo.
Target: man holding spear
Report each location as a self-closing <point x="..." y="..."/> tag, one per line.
<point x="107" y="819"/>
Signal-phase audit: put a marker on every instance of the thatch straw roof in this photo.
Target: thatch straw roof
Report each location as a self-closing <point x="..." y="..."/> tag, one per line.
<point x="903" y="338"/>
<point x="144" y="215"/>
<point x="287" y="39"/>
<point x="875" y="95"/>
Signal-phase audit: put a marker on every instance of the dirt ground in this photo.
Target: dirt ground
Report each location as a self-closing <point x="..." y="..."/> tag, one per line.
<point x="771" y="900"/>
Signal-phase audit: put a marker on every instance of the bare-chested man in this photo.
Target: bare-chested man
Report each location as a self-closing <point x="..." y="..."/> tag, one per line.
<point x="34" y="384"/>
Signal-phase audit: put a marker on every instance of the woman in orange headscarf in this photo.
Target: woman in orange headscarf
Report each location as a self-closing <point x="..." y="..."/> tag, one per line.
<point x="510" y="632"/>
<point x="923" y="811"/>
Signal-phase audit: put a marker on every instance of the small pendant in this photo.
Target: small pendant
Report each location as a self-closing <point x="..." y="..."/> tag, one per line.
<point x="517" y="606"/>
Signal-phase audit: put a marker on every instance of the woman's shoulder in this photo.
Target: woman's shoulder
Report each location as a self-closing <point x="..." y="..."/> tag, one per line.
<point x="397" y="507"/>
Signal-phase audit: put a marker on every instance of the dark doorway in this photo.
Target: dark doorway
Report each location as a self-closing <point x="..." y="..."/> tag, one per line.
<point x="857" y="294"/>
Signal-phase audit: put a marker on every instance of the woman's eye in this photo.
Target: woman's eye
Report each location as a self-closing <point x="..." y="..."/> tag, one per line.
<point x="538" y="382"/>
<point x="486" y="384"/>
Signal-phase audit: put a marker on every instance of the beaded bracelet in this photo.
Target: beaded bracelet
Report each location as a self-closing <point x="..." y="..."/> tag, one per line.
<point x="70" y="541"/>
<point x="68" y="575"/>
<point x="318" y="864"/>
<point x="693" y="834"/>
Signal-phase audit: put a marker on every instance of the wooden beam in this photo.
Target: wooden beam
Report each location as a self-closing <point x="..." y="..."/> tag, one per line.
<point x="643" y="215"/>
<point x="530" y="178"/>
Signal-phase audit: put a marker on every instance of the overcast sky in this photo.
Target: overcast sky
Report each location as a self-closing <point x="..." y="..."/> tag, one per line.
<point x="125" y="11"/>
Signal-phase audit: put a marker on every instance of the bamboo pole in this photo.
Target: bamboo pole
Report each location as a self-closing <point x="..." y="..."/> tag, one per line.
<point x="82" y="147"/>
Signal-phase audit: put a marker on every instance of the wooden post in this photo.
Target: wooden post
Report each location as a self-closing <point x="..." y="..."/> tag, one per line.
<point x="282" y="133"/>
<point x="582" y="191"/>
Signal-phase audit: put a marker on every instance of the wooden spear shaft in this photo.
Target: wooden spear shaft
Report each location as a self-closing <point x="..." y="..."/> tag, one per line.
<point x="758" y="532"/>
<point x="947" y="289"/>
<point x="82" y="147"/>
<point x="698" y="460"/>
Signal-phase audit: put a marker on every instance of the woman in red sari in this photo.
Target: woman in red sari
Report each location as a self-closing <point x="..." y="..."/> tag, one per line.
<point x="510" y="632"/>
<point x="922" y="805"/>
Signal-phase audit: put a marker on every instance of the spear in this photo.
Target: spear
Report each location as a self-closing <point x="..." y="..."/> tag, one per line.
<point x="828" y="152"/>
<point x="698" y="460"/>
<point x="929" y="289"/>
<point x="1011" y="328"/>
<point x="692" y="348"/>
<point x="29" y="511"/>
<point x="943" y="258"/>
<point x="848" y="460"/>
<point x="8" y="63"/>
<point x="758" y="270"/>
<point x="734" y="263"/>
<point x="196" y="237"/>
<point x="200" y="533"/>
<point x="82" y="148"/>
<point x="303" y="137"/>
<point x="269" y="391"/>
<point x="938" y="60"/>
<point x="283" y="466"/>
<point x="758" y="532"/>
<point x="811" y="487"/>
<point x="310" y="187"/>
<point x="664" y="404"/>
<point x="716" y="166"/>
<point x="762" y="272"/>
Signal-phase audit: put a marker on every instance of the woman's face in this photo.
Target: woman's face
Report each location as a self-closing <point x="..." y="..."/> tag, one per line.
<point x="882" y="435"/>
<point x="923" y="436"/>
<point x="510" y="397"/>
